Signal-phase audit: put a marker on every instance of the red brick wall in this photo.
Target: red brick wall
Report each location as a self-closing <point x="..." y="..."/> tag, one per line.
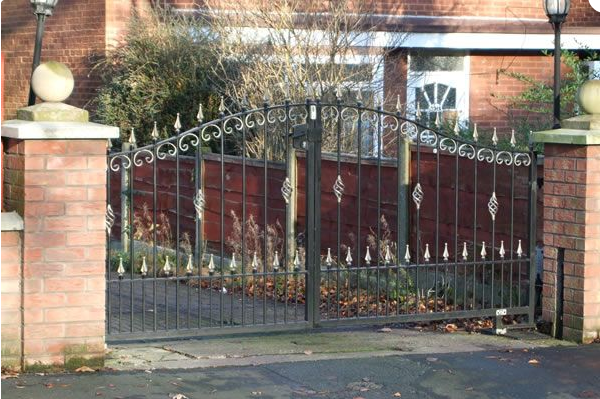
<point x="74" y="35"/>
<point x="490" y="88"/>
<point x="59" y="188"/>
<point x="166" y="184"/>
<point x="571" y="222"/>
<point x="11" y="299"/>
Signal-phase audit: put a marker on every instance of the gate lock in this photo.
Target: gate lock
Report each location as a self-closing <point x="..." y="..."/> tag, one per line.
<point x="307" y="133"/>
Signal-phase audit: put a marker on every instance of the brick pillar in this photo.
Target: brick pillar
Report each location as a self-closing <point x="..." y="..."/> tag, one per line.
<point x="55" y="177"/>
<point x="572" y="229"/>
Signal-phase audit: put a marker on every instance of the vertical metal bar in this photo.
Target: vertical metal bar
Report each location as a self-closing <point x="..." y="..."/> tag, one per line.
<point x="418" y="234"/>
<point x="533" y="189"/>
<point x="131" y="246"/>
<point x="108" y="299"/>
<point x="359" y="204"/>
<point x="289" y="236"/>
<point x="199" y="222"/>
<point x="154" y="235"/>
<point x="512" y="236"/>
<point x="475" y="228"/>
<point x="222" y="222"/>
<point x="265" y="205"/>
<point x="243" y="254"/>
<point x="456" y="235"/>
<point x="492" y="291"/>
<point x="339" y="208"/>
<point x="437" y="226"/>
<point x="178" y="231"/>
<point x="377" y="252"/>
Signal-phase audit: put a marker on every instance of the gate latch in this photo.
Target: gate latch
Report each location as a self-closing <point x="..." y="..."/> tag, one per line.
<point x="299" y="133"/>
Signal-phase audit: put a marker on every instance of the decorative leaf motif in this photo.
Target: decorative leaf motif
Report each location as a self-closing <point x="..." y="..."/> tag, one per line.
<point x="348" y="258"/>
<point x="417" y="195"/>
<point x="502" y="252"/>
<point x="110" y="219"/>
<point x="286" y="190"/>
<point x="167" y="266"/>
<point x="427" y="255"/>
<point x="493" y="206"/>
<point x="144" y="267"/>
<point x="338" y="188"/>
<point x="199" y="203"/>
<point x="177" y="124"/>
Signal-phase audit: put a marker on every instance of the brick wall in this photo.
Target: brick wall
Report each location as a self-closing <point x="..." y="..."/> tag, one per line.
<point x="572" y="223"/>
<point x="74" y="35"/>
<point x="11" y="299"/>
<point x="490" y="88"/>
<point x="59" y="188"/>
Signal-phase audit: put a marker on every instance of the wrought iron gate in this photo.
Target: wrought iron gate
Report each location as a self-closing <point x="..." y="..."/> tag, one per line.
<point x="299" y="215"/>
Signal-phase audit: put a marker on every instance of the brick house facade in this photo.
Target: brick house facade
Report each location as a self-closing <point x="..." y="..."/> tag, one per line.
<point x="480" y="41"/>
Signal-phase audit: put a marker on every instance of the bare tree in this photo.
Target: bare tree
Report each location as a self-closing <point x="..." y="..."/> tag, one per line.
<point x="289" y="49"/>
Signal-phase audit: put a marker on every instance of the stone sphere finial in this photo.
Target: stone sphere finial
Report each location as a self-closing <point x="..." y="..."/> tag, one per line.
<point x="588" y="97"/>
<point x="52" y="81"/>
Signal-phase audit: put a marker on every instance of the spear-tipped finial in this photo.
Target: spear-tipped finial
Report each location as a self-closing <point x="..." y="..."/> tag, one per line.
<point x="483" y="251"/>
<point x="475" y="134"/>
<point x="211" y="265"/>
<point x="387" y="259"/>
<point x="502" y="251"/>
<point x="267" y="96"/>
<point x="446" y="254"/>
<point x="189" y="268"/>
<point x="465" y="253"/>
<point x="418" y="113"/>
<point x="276" y="262"/>
<point x="519" y="249"/>
<point x="286" y="90"/>
<point x="426" y="255"/>
<point x="200" y="114"/>
<point x="338" y="92"/>
<point x="167" y="266"/>
<point x="245" y="102"/>
<point x="495" y="137"/>
<point x="120" y="269"/>
<point x="177" y="124"/>
<point x="309" y="91"/>
<point x="513" y="140"/>
<point x="398" y="104"/>
<point x="297" y="263"/>
<point x="437" y="120"/>
<point x="368" y="256"/>
<point x="154" y="133"/>
<point x="144" y="267"/>
<point x="254" y="263"/>
<point x="359" y="96"/>
<point x="318" y="92"/>
<point x="348" y="258"/>
<point x="456" y="127"/>
<point x="132" y="137"/>
<point x="222" y="106"/>
<point x="329" y="259"/>
<point x="407" y="254"/>
<point x="232" y="264"/>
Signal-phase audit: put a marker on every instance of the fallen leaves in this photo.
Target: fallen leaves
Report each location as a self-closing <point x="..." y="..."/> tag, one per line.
<point x="450" y="328"/>
<point x="385" y="330"/>
<point x="533" y="361"/>
<point x="397" y="395"/>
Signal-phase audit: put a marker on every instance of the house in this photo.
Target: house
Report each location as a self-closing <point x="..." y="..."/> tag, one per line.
<point x="452" y="57"/>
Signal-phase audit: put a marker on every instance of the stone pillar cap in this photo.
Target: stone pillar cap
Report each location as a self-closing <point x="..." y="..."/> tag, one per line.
<point x="42" y="130"/>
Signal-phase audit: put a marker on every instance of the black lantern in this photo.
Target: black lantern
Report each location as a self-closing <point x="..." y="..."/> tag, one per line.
<point x="41" y="9"/>
<point x="557" y="11"/>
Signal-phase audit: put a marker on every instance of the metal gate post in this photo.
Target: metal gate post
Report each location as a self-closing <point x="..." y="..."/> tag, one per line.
<point x="533" y="187"/>
<point x="313" y="212"/>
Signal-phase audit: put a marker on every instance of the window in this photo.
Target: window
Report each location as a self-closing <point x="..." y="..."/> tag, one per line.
<point x="438" y="84"/>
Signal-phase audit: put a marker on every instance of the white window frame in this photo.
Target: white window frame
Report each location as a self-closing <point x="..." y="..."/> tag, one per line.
<point x="457" y="79"/>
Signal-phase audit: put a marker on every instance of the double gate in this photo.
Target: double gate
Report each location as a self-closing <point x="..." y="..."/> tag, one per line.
<point x="300" y="215"/>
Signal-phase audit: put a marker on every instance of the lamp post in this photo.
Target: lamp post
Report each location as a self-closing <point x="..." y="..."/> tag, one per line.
<point x="557" y="11"/>
<point x="41" y="9"/>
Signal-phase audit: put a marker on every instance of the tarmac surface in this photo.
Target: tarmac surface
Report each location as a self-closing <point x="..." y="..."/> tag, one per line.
<point x="360" y="363"/>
